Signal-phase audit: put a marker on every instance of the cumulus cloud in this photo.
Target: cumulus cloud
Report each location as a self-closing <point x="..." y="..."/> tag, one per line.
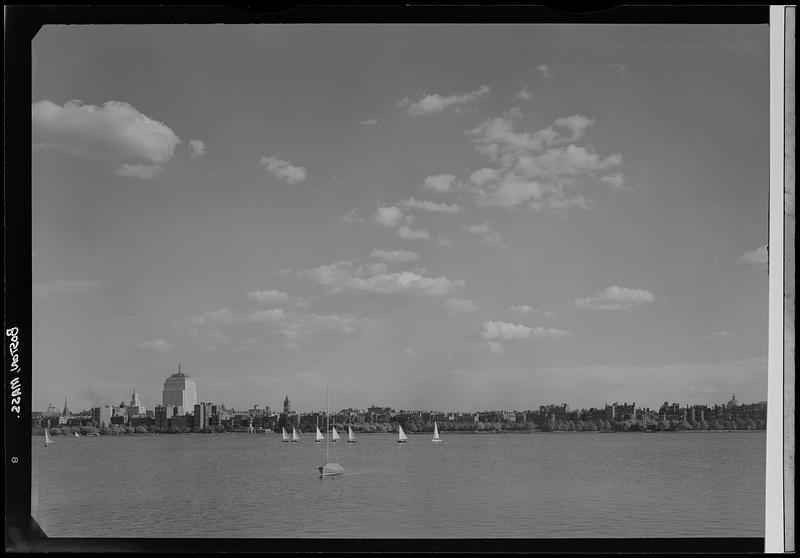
<point x="758" y="257"/>
<point x="197" y="148"/>
<point x="617" y="181"/>
<point x="523" y="95"/>
<point x="62" y="286"/>
<point x="457" y="306"/>
<point x="394" y="256"/>
<point x="283" y="169"/>
<point x="411" y="234"/>
<point x="353" y="218"/>
<point x="576" y="123"/>
<point x="616" y="298"/>
<point x="114" y="133"/>
<point x="489" y="238"/>
<point x="620" y="68"/>
<point x="722" y="334"/>
<point x="347" y="276"/>
<point x="506" y="331"/>
<point x="433" y="103"/>
<point x="157" y="345"/>
<point x="430" y="206"/>
<point x="391" y="216"/>
<point x="544" y="71"/>
<point x="369" y="122"/>
<point x="439" y="182"/>
<point x="536" y="169"/>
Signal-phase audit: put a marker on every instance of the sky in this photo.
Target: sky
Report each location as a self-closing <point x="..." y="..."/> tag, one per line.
<point x="456" y="217"/>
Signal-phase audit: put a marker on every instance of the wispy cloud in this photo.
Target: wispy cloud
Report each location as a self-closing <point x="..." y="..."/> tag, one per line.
<point x="369" y="122"/>
<point x="157" y="345"/>
<point x="346" y="276"/>
<point x="197" y="148"/>
<point x="114" y="133"/>
<point x="523" y="309"/>
<point x="283" y="169"/>
<point x="620" y="68"/>
<point x="66" y="287"/>
<point x="430" y="206"/>
<point x="440" y="182"/>
<point x="544" y="71"/>
<point x="457" y="306"/>
<point x="757" y="258"/>
<point x="353" y="218"/>
<point x="434" y="103"/>
<point x="271" y="295"/>
<point x="394" y="256"/>
<point x="616" y="298"/>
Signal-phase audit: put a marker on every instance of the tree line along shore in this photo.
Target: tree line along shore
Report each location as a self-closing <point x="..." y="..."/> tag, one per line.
<point x="411" y="427"/>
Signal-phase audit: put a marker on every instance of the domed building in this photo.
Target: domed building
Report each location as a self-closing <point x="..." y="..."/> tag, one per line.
<point x="180" y="391"/>
<point x="732" y="403"/>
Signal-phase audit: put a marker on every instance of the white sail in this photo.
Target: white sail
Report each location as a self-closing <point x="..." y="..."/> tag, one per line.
<point x="284" y="435"/>
<point x="77" y="435"/>
<point x="334" y="434"/>
<point x="295" y="437"/>
<point x="320" y="437"/>
<point x="351" y="438"/>
<point x="401" y="436"/>
<point x="47" y="439"/>
<point x="436" y="437"/>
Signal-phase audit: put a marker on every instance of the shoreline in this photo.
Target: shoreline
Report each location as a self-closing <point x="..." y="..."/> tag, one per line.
<point x="513" y="432"/>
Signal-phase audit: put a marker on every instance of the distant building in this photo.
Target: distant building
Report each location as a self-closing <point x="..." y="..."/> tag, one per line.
<point x="179" y="391"/>
<point x="732" y="404"/>
<point x="287" y="408"/>
<point x="135" y="408"/>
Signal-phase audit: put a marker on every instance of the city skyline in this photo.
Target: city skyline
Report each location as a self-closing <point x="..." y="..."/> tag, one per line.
<point x="390" y="211"/>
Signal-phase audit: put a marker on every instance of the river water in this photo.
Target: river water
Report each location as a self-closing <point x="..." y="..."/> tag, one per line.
<point x="571" y="485"/>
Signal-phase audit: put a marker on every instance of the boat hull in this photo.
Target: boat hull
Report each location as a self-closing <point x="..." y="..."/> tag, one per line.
<point x="330" y="470"/>
<point x="435" y="441"/>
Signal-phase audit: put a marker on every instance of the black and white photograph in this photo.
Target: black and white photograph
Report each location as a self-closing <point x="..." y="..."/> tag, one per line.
<point x="396" y="280"/>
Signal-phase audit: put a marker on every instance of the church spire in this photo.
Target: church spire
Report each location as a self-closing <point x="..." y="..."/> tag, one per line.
<point x="65" y="411"/>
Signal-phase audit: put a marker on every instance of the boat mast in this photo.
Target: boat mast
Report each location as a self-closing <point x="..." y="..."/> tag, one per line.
<point x="327" y="425"/>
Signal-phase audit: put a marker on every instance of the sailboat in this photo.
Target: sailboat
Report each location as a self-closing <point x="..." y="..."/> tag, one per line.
<point x="436" y="437"/>
<point x="320" y="437"/>
<point x="351" y="438"/>
<point x="77" y="435"/>
<point x="47" y="439"/>
<point x="334" y="434"/>
<point x="284" y="435"/>
<point x="401" y="436"/>
<point x="330" y="469"/>
<point x="295" y="437"/>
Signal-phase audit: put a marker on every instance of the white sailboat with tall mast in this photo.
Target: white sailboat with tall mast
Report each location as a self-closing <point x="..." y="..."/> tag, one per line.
<point x="436" y="437"/>
<point x="284" y="435"/>
<point x="47" y="439"/>
<point x="334" y="435"/>
<point x="401" y="436"/>
<point x="330" y="469"/>
<point x="351" y="438"/>
<point x="295" y="437"/>
<point x="320" y="437"/>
